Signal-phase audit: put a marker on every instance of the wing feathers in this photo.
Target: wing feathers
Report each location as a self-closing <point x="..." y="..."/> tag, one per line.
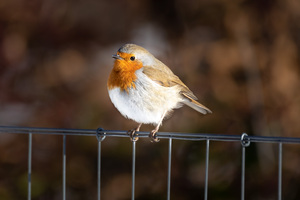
<point x="165" y="77"/>
<point x="196" y="105"/>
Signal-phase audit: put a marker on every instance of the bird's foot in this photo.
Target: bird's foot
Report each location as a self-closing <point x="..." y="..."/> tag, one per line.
<point x="153" y="136"/>
<point x="133" y="135"/>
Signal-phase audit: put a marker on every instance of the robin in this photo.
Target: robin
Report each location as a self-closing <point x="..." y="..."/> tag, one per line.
<point x="145" y="90"/>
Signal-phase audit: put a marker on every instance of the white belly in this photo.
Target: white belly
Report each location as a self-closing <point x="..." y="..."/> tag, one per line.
<point x="147" y="102"/>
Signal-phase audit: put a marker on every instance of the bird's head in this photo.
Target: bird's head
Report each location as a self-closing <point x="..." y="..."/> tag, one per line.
<point x="128" y="60"/>
<point x="132" y="57"/>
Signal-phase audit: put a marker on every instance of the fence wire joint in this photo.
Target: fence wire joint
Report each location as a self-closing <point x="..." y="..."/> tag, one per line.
<point x="245" y="141"/>
<point x="100" y="134"/>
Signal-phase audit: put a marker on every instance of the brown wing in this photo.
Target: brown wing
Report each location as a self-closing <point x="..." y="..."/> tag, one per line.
<point x="165" y="77"/>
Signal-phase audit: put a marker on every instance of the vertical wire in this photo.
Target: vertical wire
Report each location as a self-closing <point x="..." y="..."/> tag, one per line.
<point x="29" y="165"/>
<point x="133" y="169"/>
<point x="206" y="170"/>
<point x="243" y="174"/>
<point x="169" y="169"/>
<point x="99" y="169"/>
<point x="64" y="167"/>
<point x="280" y="171"/>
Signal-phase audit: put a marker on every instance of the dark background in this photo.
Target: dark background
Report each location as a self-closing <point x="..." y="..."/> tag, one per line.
<point x="241" y="58"/>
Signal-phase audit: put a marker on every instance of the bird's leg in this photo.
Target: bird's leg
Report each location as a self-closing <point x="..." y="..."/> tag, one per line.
<point x="152" y="134"/>
<point x="132" y="133"/>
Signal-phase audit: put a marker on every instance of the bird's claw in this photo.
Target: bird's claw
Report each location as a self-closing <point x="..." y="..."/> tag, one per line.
<point x="153" y="136"/>
<point x="133" y="135"/>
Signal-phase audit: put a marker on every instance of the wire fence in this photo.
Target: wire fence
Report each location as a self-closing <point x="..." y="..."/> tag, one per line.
<point x="101" y="134"/>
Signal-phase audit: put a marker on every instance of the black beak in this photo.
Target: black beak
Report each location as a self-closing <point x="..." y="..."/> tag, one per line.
<point x="117" y="57"/>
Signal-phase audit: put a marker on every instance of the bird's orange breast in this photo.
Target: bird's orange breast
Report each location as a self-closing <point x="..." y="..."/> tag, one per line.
<point x="123" y="73"/>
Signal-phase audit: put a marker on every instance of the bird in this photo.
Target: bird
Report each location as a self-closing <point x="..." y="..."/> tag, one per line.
<point x="145" y="90"/>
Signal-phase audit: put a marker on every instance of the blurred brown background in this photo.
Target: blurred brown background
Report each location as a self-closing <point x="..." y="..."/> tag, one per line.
<point x="241" y="58"/>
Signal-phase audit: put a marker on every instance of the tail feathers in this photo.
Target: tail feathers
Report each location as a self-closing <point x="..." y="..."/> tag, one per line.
<point x="196" y="105"/>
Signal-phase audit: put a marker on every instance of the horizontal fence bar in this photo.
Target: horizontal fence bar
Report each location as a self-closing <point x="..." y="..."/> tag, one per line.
<point x="161" y="135"/>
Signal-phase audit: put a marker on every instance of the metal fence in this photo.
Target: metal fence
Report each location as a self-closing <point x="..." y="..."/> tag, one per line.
<point x="101" y="134"/>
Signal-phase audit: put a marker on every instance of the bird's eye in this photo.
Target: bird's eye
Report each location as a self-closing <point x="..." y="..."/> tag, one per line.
<point x="132" y="58"/>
